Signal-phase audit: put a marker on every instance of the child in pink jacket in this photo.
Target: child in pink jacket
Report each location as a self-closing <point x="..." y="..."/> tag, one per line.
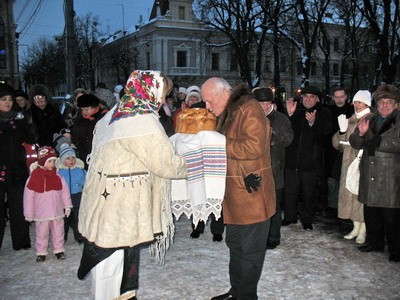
<point x="47" y="201"/>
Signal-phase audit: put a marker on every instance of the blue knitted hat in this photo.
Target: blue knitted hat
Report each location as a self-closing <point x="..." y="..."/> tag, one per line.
<point x="66" y="151"/>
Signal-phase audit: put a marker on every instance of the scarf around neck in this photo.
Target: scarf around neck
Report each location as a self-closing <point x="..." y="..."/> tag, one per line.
<point x="144" y="93"/>
<point x="42" y="180"/>
<point x="362" y="113"/>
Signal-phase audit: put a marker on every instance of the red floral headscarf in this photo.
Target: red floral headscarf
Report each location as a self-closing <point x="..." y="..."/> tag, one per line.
<point x="143" y="95"/>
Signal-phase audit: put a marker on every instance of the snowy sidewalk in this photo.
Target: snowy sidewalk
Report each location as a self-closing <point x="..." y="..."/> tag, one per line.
<point x="308" y="265"/>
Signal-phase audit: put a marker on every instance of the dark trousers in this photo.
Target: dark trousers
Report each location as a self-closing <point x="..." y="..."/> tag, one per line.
<point x="216" y="226"/>
<point x="72" y="220"/>
<point x="247" y="246"/>
<point x="300" y="195"/>
<point x="276" y="220"/>
<point x="381" y="222"/>
<point x="18" y="226"/>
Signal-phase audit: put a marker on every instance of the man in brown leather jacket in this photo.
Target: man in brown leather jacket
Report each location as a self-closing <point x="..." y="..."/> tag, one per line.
<point x="249" y="200"/>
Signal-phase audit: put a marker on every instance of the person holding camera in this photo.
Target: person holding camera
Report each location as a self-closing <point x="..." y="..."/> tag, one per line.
<point x="311" y="123"/>
<point x="249" y="200"/>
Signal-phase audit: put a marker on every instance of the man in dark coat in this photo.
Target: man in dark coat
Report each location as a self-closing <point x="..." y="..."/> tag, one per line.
<point x="311" y="123"/>
<point x="248" y="205"/>
<point x="332" y="157"/>
<point x="282" y="136"/>
<point x="379" y="135"/>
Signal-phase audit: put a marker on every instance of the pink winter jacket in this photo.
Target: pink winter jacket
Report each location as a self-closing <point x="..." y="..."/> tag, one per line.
<point x="48" y="205"/>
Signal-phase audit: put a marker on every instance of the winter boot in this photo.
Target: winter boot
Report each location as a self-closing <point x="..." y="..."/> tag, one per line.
<point x="354" y="233"/>
<point x="61" y="256"/>
<point x="361" y="234"/>
<point x="41" y="258"/>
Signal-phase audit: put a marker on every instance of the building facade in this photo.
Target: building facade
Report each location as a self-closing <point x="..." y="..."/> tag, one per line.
<point x="175" y="43"/>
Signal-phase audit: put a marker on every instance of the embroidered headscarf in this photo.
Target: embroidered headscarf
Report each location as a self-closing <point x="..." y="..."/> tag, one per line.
<point x="143" y="95"/>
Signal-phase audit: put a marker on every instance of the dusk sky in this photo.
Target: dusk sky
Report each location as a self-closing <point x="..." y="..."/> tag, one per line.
<point x="49" y="17"/>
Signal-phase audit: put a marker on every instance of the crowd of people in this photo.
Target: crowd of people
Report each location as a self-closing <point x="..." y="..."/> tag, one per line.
<point x="102" y="167"/>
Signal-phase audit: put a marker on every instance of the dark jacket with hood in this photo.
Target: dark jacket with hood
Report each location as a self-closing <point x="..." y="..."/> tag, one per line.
<point x="248" y="135"/>
<point x="305" y="151"/>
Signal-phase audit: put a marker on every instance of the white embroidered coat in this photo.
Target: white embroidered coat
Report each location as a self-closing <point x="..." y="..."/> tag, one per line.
<point x="126" y="198"/>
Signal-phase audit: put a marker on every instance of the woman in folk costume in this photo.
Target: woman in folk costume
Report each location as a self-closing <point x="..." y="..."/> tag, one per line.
<point x="348" y="206"/>
<point x="126" y="198"/>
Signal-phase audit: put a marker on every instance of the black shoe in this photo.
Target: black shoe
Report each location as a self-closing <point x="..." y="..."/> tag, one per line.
<point x="370" y="248"/>
<point x="272" y="244"/>
<point x="307" y="226"/>
<point x="25" y="247"/>
<point x="61" y="256"/>
<point x="394" y="258"/>
<point x="226" y="296"/>
<point x="217" y="237"/>
<point x="195" y="234"/>
<point x="41" y="258"/>
<point x="286" y="222"/>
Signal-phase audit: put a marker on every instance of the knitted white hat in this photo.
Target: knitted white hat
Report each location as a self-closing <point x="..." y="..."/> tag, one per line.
<point x="363" y="96"/>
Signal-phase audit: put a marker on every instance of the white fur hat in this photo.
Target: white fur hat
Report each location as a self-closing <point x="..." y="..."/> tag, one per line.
<point x="182" y="90"/>
<point x="193" y="88"/>
<point x="192" y="93"/>
<point x="363" y="96"/>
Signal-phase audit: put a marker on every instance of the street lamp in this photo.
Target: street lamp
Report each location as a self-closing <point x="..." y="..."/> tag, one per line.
<point x="123" y="17"/>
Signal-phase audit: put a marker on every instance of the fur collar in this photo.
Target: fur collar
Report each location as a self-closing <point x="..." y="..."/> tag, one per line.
<point x="238" y="97"/>
<point x="78" y="164"/>
<point x="390" y="121"/>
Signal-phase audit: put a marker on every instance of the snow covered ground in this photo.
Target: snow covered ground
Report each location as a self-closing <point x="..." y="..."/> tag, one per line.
<point x="316" y="264"/>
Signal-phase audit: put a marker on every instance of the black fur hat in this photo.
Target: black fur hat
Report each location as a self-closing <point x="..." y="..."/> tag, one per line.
<point x="6" y="89"/>
<point x="263" y="94"/>
<point x="310" y="89"/>
<point x="88" y="100"/>
<point x="39" y="89"/>
<point x="21" y="93"/>
<point x="387" y="91"/>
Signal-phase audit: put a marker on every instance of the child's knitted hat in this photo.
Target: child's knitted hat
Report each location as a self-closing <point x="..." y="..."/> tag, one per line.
<point x="44" y="154"/>
<point x="66" y="151"/>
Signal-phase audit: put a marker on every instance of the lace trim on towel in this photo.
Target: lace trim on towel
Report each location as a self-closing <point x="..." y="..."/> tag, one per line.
<point x="200" y="212"/>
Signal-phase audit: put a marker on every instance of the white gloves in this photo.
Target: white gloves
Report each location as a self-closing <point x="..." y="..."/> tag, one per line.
<point x="67" y="211"/>
<point x="343" y="123"/>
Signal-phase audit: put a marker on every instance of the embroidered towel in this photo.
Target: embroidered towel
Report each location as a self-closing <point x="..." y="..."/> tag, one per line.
<point x="202" y="193"/>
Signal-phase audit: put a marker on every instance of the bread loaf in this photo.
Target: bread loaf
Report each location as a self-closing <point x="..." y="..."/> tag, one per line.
<point x="193" y="120"/>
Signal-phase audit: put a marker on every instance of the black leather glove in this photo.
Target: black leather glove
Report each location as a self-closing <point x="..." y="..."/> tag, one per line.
<point x="252" y="181"/>
<point x="374" y="143"/>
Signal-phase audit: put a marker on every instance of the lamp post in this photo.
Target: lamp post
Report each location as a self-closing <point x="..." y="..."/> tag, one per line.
<point x="123" y="17"/>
